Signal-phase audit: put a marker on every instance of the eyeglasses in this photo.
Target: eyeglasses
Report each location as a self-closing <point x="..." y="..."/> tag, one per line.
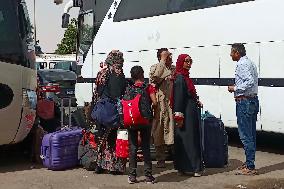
<point x="188" y="61"/>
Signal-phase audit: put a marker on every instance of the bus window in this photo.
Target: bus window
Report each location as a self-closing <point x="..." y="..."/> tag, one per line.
<point x="101" y="8"/>
<point x="52" y="65"/>
<point x="26" y="35"/>
<point x="15" y="49"/>
<point x="10" y="48"/>
<point x="135" y="9"/>
<point x="41" y="65"/>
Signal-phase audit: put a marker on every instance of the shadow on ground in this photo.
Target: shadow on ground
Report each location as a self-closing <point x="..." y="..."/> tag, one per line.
<point x="267" y="183"/>
<point x="173" y="177"/>
<point x="270" y="168"/>
<point x="265" y="141"/>
<point x="17" y="157"/>
<point x="233" y="164"/>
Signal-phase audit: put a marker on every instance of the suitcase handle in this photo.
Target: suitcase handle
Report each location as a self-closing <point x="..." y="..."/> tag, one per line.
<point x="202" y="129"/>
<point x="43" y="152"/>
<point x="69" y="112"/>
<point x="66" y="128"/>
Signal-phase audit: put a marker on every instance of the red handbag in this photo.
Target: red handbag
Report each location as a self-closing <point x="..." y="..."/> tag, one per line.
<point x="121" y="147"/>
<point x="45" y="109"/>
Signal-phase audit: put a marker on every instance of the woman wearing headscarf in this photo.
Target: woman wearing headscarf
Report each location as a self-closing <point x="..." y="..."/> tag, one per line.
<point x="110" y="83"/>
<point x="187" y="141"/>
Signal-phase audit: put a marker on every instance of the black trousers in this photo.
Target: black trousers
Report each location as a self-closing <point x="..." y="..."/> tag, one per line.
<point x="145" y="134"/>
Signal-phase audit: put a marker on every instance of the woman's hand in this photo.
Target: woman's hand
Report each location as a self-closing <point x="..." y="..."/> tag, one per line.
<point x="179" y="123"/>
<point x="199" y="103"/>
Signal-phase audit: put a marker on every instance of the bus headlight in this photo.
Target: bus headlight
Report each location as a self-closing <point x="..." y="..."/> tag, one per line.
<point x="29" y="99"/>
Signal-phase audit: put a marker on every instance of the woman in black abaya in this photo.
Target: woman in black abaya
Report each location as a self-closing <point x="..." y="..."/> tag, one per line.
<point x="186" y="108"/>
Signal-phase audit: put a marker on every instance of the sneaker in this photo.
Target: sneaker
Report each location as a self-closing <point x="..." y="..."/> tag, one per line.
<point x="161" y="164"/>
<point x="197" y="174"/>
<point x="150" y="179"/>
<point x="246" y="171"/>
<point x="132" y="179"/>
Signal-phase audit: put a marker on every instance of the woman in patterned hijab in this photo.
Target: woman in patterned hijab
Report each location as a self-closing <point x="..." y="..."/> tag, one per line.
<point x="110" y="83"/>
<point x="114" y="62"/>
<point x="113" y="65"/>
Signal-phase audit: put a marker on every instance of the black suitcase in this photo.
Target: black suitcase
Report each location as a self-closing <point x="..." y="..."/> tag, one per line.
<point x="215" y="141"/>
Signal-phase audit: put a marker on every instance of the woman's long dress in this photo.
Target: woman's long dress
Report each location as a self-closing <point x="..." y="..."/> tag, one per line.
<point x="188" y="146"/>
<point x="107" y="160"/>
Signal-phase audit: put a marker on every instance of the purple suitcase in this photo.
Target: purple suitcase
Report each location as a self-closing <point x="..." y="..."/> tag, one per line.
<point x="59" y="150"/>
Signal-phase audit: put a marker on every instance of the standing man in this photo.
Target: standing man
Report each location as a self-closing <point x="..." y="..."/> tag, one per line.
<point x="163" y="127"/>
<point x="247" y="105"/>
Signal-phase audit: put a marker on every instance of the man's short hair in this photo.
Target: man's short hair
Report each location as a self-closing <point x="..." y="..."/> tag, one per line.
<point x="160" y="51"/>
<point x="136" y="72"/>
<point x="240" y="48"/>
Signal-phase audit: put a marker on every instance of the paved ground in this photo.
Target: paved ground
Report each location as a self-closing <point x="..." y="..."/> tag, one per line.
<point x="18" y="173"/>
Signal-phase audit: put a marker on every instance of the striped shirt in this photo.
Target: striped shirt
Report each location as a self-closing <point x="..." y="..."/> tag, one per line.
<point x="246" y="78"/>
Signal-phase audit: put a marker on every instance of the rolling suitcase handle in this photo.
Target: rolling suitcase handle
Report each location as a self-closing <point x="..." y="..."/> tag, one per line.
<point x="69" y="112"/>
<point x="62" y="114"/>
<point x="202" y="128"/>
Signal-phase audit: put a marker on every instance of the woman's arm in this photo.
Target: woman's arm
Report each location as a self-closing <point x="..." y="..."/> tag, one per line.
<point x="152" y="92"/>
<point x="179" y="97"/>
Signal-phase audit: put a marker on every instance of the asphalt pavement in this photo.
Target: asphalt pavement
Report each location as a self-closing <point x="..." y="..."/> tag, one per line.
<point x="17" y="172"/>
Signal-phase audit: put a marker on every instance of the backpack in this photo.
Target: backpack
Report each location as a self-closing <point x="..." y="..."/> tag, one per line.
<point x="136" y="106"/>
<point x="87" y="151"/>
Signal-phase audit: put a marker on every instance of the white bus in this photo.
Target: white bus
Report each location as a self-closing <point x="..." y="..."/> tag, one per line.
<point x="202" y="28"/>
<point x="18" y="79"/>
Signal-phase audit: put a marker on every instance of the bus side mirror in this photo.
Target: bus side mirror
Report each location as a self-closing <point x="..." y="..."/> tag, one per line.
<point x="65" y="20"/>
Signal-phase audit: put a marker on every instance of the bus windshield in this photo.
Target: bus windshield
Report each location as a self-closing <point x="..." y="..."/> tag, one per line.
<point x="89" y="21"/>
<point x="9" y="31"/>
<point x="64" y="65"/>
<point x="86" y="23"/>
<point x="57" y="75"/>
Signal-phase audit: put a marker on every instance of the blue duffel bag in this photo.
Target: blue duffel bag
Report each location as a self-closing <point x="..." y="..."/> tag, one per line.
<point x="105" y="113"/>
